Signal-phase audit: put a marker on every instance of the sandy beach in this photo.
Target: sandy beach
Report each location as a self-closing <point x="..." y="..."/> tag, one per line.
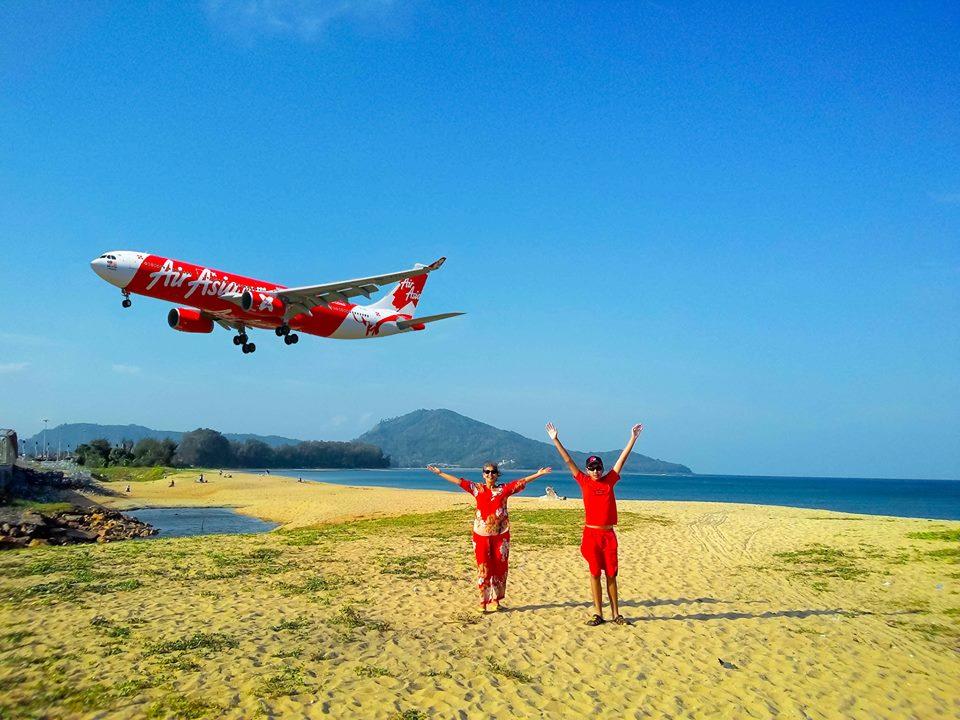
<point x="362" y="605"/>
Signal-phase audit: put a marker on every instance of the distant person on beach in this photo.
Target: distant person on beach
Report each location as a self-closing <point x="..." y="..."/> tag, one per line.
<point x="491" y="528"/>
<point x="171" y="483"/>
<point x="599" y="543"/>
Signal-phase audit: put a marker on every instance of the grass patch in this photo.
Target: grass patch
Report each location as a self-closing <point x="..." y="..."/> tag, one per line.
<point x="110" y="628"/>
<point x="350" y="618"/>
<point x="372" y="671"/>
<point x="506" y="671"/>
<point x="949" y="535"/>
<point x="406" y="566"/>
<point x="70" y="590"/>
<point x="294" y="624"/>
<point x="950" y="555"/>
<point x="545" y="528"/>
<point x="52" y="562"/>
<point x="952" y="612"/>
<point x="10" y="640"/>
<point x="134" y="474"/>
<point x="409" y="715"/>
<point x="262" y="561"/>
<point x="314" y="585"/>
<point x="181" y="707"/>
<point x="213" y="642"/>
<point x="288" y="681"/>
<point x="822" y="561"/>
<point x="41" y="507"/>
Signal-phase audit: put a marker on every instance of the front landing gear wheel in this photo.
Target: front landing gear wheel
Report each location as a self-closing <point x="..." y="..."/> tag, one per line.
<point x="126" y="302"/>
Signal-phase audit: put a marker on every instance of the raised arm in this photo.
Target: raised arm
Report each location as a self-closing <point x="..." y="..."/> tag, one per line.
<point x="446" y="476"/>
<point x="621" y="461"/>
<point x="538" y="474"/>
<point x="571" y="465"/>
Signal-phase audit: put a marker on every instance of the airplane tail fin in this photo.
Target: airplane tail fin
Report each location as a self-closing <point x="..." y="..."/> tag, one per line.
<point x="405" y="295"/>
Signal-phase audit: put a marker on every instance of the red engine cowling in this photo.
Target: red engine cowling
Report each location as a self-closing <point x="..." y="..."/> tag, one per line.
<point x="258" y="303"/>
<point x="189" y="320"/>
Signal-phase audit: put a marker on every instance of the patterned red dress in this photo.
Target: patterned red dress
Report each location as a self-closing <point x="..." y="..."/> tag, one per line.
<point x="491" y="536"/>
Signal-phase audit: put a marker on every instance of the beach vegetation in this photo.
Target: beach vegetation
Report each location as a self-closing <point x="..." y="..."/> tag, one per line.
<point x="288" y="681"/>
<point x="409" y="714"/>
<point x="292" y="624"/>
<point x="181" y="707"/>
<point x="68" y="590"/>
<point x="351" y="618"/>
<point x="950" y="555"/>
<point x="372" y="671"/>
<point x="315" y="584"/>
<point x="546" y="528"/>
<point x="54" y="561"/>
<point x="214" y="642"/>
<point x="10" y="640"/>
<point x="508" y="672"/>
<point x="821" y="561"/>
<point x="946" y="535"/>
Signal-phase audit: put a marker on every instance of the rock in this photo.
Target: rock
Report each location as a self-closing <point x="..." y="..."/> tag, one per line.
<point x="37" y="542"/>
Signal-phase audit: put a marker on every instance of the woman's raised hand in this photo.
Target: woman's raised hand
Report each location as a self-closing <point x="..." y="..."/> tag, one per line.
<point x="434" y="469"/>
<point x="544" y="471"/>
<point x="551" y="431"/>
<point x="636" y="430"/>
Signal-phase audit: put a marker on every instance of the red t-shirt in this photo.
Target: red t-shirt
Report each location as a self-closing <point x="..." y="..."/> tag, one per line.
<point x="598" y="498"/>
<point x="491" y="517"/>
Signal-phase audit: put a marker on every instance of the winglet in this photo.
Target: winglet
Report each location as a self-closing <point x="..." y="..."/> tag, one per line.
<point x="436" y="265"/>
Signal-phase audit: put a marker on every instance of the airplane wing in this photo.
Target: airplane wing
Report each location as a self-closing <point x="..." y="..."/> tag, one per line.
<point x="310" y="296"/>
<point x="418" y="323"/>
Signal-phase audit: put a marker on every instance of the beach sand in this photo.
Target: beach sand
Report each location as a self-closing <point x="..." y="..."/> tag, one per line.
<point x="737" y="611"/>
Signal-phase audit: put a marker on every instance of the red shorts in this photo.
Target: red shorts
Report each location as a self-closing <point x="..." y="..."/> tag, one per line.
<point x="599" y="549"/>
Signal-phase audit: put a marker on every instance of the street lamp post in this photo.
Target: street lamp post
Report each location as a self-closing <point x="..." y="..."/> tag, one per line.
<point x="45" y="421"/>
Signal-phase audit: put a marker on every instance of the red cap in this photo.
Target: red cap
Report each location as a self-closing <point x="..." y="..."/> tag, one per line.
<point x="596" y="461"/>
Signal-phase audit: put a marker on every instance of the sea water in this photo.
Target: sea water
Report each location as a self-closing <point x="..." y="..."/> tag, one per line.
<point x="939" y="499"/>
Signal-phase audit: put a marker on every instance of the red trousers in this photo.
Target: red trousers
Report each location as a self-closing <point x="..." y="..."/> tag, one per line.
<point x="493" y="557"/>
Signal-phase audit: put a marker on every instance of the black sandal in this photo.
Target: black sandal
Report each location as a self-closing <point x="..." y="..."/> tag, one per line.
<point x="595" y="620"/>
<point x="621" y="620"/>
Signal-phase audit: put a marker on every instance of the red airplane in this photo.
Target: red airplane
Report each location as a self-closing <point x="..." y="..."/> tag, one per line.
<point x="237" y="303"/>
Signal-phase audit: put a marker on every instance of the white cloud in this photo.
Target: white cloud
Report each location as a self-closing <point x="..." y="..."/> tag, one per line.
<point x="12" y="367"/>
<point x="126" y="369"/>
<point x="304" y="19"/>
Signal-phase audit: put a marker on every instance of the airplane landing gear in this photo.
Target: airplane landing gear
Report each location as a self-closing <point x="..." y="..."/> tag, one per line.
<point x="126" y="299"/>
<point x="241" y="340"/>
<point x="291" y="339"/>
<point x="282" y="330"/>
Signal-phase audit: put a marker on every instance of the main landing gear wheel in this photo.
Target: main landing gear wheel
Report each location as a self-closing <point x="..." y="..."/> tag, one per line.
<point x="291" y="339"/>
<point x="248" y="348"/>
<point x="282" y="330"/>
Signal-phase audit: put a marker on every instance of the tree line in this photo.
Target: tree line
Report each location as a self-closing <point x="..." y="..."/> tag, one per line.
<point x="208" y="448"/>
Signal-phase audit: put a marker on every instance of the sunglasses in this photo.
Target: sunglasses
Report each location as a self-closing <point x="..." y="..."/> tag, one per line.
<point x="595" y="468"/>
<point x="491" y="472"/>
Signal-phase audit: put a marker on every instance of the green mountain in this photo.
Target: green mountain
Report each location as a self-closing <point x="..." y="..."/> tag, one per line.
<point x="445" y="437"/>
<point x="70" y="435"/>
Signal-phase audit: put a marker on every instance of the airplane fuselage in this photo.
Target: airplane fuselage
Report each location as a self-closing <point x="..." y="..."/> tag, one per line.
<point x="216" y="293"/>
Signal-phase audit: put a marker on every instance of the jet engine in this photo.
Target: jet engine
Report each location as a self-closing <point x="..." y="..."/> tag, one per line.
<point x="258" y="303"/>
<point x="189" y="320"/>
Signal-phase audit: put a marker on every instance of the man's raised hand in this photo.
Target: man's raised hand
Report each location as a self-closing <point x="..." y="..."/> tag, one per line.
<point x="545" y="471"/>
<point x="434" y="469"/>
<point x="551" y="431"/>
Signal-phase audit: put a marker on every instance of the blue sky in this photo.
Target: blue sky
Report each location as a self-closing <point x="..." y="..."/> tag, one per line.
<point x="737" y="223"/>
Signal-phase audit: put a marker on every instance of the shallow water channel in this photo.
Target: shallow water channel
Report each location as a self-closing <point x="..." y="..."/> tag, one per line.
<point x="187" y="521"/>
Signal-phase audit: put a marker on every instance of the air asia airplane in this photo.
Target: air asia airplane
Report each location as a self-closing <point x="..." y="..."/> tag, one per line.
<point x="237" y="303"/>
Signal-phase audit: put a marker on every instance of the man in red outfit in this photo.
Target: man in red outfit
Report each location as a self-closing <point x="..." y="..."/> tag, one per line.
<point x="599" y="543"/>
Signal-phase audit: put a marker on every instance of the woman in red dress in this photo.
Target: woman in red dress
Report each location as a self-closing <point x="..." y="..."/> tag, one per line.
<point x="491" y="528"/>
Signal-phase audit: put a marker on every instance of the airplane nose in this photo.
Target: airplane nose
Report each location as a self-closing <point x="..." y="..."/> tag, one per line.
<point x="99" y="266"/>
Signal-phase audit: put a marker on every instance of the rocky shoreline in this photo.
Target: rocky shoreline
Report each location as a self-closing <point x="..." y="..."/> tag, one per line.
<point x="30" y="528"/>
